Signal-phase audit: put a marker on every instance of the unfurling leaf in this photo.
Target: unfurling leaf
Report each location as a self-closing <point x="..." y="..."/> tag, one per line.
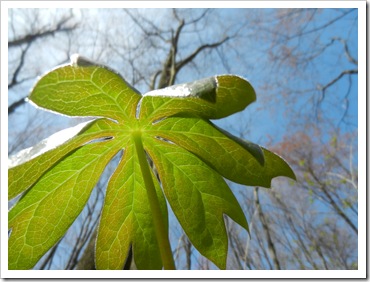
<point x="172" y="127"/>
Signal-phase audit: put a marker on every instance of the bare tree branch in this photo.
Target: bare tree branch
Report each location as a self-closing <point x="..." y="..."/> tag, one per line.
<point x="154" y="80"/>
<point x="323" y="26"/>
<point x="149" y="33"/>
<point x="28" y="40"/>
<point x="15" y="105"/>
<point x="271" y="245"/>
<point x="191" y="57"/>
<point x="293" y="225"/>
<point x="325" y="87"/>
<point x="188" y="252"/>
<point x="169" y="70"/>
<point x="350" y="58"/>
<point x="14" y="80"/>
<point x="49" y="259"/>
<point x="236" y="249"/>
<point x="41" y="34"/>
<point x="330" y="199"/>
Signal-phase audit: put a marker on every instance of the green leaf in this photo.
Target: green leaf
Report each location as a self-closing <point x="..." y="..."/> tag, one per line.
<point x="238" y="160"/>
<point x="86" y="91"/>
<point x="210" y="98"/>
<point x="126" y="219"/>
<point x="171" y="126"/>
<point x="27" y="166"/>
<point x="198" y="196"/>
<point x="44" y="213"/>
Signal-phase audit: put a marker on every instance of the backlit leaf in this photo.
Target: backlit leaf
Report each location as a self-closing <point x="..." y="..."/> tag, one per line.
<point x="210" y="98"/>
<point x="47" y="210"/>
<point x="199" y="198"/>
<point x="126" y="219"/>
<point x="171" y="125"/>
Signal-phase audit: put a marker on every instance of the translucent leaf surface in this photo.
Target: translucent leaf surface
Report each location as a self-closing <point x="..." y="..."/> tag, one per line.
<point x="126" y="219"/>
<point x="86" y="91"/>
<point x="46" y="211"/>
<point x="211" y="98"/>
<point x="172" y="126"/>
<point x="31" y="165"/>
<point x="199" y="198"/>
<point x="240" y="161"/>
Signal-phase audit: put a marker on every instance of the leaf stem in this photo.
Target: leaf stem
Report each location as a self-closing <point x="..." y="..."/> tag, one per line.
<point x="160" y="230"/>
